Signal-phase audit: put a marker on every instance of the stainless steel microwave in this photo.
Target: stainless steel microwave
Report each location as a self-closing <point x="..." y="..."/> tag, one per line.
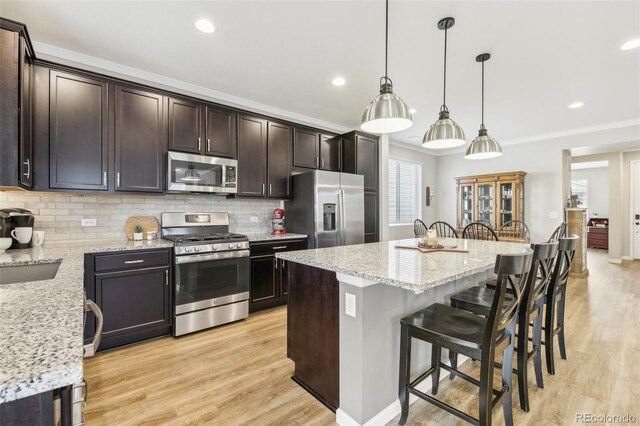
<point x="200" y="173"/>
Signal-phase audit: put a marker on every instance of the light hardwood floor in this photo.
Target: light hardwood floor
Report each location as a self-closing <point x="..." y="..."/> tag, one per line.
<point x="239" y="374"/>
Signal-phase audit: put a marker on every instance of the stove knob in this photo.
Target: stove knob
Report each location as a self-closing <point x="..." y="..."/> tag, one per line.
<point x="197" y="249"/>
<point x="188" y="249"/>
<point x="233" y="245"/>
<point x="214" y="248"/>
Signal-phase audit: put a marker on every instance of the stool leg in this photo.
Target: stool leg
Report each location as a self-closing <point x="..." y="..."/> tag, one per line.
<point x="507" y="378"/>
<point x="453" y="360"/>
<point x="486" y="386"/>
<point x="549" y="326"/>
<point x="523" y="349"/>
<point x="537" y="346"/>
<point x="560" y="314"/>
<point x="436" y="353"/>
<point x="405" y="372"/>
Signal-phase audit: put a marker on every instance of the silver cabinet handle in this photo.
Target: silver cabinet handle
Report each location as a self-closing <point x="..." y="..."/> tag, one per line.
<point x="269" y="189"/>
<point x="263" y="189"/>
<point x="198" y="144"/>
<point x="104" y="179"/>
<point x="28" y="164"/>
<point x="322" y="162"/>
<point x="90" y="349"/>
<point x="275" y="263"/>
<point x="282" y="263"/>
<point x="166" y="278"/>
<point x="118" y="179"/>
<point x="279" y="248"/>
<point x="315" y="162"/>
<point x="128" y="262"/>
<point x="208" y="145"/>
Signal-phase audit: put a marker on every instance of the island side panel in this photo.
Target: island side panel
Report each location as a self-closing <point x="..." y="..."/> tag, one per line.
<point x="370" y="344"/>
<point x="312" y="331"/>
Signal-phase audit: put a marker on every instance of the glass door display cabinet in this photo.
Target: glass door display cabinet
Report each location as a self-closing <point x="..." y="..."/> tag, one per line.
<point x="494" y="199"/>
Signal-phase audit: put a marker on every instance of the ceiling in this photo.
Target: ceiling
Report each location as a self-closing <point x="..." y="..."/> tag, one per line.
<point x="545" y="55"/>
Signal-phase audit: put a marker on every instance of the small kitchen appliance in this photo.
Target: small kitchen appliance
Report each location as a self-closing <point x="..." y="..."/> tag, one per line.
<point x="10" y="220"/>
<point x="277" y="223"/>
<point x="201" y="173"/>
<point x="211" y="270"/>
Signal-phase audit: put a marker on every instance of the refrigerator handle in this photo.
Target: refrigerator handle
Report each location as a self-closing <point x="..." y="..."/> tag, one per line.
<point x="342" y="217"/>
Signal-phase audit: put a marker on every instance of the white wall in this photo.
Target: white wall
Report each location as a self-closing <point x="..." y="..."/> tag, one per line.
<point x="429" y="169"/>
<point x="597" y="189"/>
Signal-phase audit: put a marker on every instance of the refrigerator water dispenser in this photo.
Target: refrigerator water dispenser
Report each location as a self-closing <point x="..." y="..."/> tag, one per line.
<point x="329" y="216"/>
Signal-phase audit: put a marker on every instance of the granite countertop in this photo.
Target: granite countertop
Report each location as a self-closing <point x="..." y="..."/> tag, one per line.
<point x="406" y="268"/>
<point x="41" y="322"/>
<point x="266" y="236"/>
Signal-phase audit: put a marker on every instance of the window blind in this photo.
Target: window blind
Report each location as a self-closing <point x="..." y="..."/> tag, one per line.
<point x="404" y="192"/>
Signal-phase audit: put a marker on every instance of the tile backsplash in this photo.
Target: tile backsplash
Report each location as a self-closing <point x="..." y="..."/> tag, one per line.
<point x="59" y="214"/>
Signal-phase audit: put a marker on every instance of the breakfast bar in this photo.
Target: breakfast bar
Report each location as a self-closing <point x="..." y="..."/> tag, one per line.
<point x="345" y="306"/>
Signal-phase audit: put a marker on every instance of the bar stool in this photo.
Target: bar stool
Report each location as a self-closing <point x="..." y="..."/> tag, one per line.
<point x="478" y="301"/>
<point x="472" y="335"/>
<point x="555" y="299"/>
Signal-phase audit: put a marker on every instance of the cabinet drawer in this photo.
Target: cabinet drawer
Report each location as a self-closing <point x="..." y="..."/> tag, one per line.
<point x="138" y="259"/>
<point x="270" y="247"/>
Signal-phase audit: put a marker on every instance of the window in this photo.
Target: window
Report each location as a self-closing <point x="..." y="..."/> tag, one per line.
<point x="579" y="189"/>
<point x="405" y="181"/>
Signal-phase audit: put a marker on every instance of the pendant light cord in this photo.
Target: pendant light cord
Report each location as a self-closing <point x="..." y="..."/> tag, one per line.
<point x="482" y="123"/>
<point x="444" y="94"/>
<point x="386" y="39"/>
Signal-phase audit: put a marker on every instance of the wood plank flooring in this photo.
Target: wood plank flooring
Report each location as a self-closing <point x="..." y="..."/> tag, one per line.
<point x="239" y="374"/>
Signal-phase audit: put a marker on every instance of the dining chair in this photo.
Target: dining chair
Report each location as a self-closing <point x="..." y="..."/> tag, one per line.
<point x="444" y="229"/>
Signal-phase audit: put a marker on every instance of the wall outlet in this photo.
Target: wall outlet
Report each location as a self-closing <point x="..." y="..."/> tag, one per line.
<point x="88" y="222"/>
<point x="350" y="304"/>
<point x="254" y="219"/>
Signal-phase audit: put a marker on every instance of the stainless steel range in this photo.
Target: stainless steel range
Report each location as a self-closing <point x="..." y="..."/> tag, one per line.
<point x="211" y="270"/>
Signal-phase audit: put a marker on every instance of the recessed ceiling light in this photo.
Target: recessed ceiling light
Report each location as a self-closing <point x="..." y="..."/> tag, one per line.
<point x="338" y="81"/>
<point x="631" y="44"/>
<point x="204" y="25"/>
<point x="413" y="110"/>
<point x="576" y="105"/>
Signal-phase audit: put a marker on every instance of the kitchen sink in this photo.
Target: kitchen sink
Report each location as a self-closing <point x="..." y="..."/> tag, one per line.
<point x="25" y="273"/>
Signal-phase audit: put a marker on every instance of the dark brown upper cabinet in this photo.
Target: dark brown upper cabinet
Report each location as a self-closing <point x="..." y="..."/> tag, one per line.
<point x="252" y="156"/>
<point x="220" y="132"/>
<point x="139" y="140"/>
<point x="185" y="126"/>
<point x="330" y="153"/>
<point x="360" y="156"/>
<point x="305" y="148"/>
<point x="16" y="76"/>
<point x="201" y="128"/>
<point x="279" y="141"/>
<point x="78" y="132"/>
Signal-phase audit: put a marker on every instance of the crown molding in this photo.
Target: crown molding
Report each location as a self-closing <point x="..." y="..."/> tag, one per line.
<point x="69" y="57"/>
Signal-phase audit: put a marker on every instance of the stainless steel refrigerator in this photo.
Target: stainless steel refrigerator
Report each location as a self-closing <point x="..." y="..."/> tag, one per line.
<point x="328" y="207"/>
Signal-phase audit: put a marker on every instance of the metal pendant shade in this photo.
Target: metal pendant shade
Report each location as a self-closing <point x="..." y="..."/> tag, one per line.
<point x="483" y="146"/>
<point x="444" y="133"/>
<point x="387" y="113"/>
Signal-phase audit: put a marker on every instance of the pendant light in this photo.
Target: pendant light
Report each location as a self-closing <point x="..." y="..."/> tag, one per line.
<point x="444" y="133"/>
<point x="387" y="113"/>
<point x="483" y="146"/>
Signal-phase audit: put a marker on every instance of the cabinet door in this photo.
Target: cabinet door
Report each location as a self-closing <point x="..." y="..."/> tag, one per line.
<point x="139" y="140"/>
<point x="185" y="129"/>
<point x="485" y="207"/>
<point x="367" y="161"/>
<point x="264" y="283"/>
<point x="466" y="204"/>
<point x="220" y="133"/>
<point x="26" y="146"/>
<point x="136" y="305"/>
<point x="506" y="203"/>
<point x="252" y="156"/>
<point x="330" y="149"/>
<point x="78" y="132"/>
<point x="305" y="148"/>
<point x="278" y="160"/>
<point x="370" y="217"/>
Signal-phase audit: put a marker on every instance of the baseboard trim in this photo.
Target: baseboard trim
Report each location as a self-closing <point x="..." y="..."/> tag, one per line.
<point x="627" y="258"/>
<point x="615" y="261"/>
<point x="393" y="409"/>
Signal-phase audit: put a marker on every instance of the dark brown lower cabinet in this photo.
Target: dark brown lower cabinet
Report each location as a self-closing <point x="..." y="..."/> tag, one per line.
<point x="135" y="302"/>
<point x="313" y="331"/>
<point x="269" y="278"/>
<point x="35" y="410"/>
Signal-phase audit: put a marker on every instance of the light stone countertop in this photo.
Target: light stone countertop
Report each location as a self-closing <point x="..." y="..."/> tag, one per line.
<point x="266" y="236"/>
<point x="41" y="322"/>
<point x="406" y="268"/>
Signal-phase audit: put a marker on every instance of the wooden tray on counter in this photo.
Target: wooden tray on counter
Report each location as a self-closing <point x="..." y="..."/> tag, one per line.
<point x="148" y="223"/>
<point x="448" y="249"/>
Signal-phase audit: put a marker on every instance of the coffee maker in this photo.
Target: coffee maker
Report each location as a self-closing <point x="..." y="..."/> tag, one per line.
<point x="15" y="218"/>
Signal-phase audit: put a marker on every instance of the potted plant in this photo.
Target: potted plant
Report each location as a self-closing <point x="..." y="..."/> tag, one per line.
<point x="137" y="233"/>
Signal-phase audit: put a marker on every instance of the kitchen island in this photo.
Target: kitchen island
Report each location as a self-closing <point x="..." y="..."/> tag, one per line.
<point x="345" y="306"/>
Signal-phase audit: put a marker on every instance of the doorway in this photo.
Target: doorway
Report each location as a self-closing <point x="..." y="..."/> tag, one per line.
<point x="635" y="208"/>
<point x="590" y="190"/>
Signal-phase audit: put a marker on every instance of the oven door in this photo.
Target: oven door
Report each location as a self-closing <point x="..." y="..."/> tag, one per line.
<point x="211" y="279"/>
<point x="199" y="173"/>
